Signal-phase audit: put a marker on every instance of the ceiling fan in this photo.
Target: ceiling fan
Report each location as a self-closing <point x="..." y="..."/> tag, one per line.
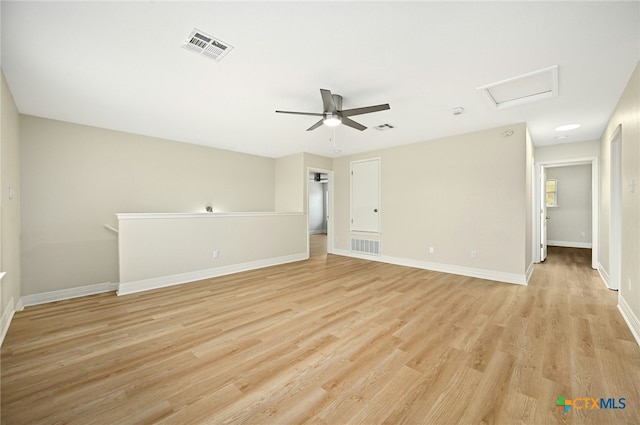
<point x="333" y="115"/>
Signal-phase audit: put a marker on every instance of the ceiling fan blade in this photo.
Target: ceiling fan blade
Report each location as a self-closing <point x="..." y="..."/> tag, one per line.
<point x="316" y="125"/>
<point x="351" y="123"/>
<point x="365" y="110"/>
<point x="327" y="101"/>
<point x="315" y="114"/>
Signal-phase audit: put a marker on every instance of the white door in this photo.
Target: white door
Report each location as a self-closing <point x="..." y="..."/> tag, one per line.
<point x="365" y="196"/>
<point x="543" y="214"/>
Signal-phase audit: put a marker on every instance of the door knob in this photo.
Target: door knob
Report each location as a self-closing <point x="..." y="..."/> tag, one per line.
<point x="375" y="210"/>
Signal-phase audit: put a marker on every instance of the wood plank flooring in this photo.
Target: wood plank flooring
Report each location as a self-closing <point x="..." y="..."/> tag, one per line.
<point x="331" y="340"/>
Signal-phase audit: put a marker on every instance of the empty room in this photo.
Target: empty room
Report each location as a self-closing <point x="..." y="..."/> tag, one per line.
<point x="315" y="212"/>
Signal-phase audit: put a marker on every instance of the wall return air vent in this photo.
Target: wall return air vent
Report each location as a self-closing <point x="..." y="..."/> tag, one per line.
<point x="207" y="45"/>
<point x="527" y="88"/>
<point x="365" y="246"/>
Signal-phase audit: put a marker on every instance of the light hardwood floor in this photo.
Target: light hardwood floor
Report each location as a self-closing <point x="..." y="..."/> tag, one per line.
<point x="331" y="340"/>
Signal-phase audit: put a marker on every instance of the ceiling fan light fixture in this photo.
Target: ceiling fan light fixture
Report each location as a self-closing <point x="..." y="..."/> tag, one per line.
<point x="333" y="115"/>
<point x="332" y="120"/>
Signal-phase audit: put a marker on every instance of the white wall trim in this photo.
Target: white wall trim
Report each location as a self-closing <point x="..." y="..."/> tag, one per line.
<point x="6" y="320"/>
<point x="595" y="201"/>
<point x="603" y="274"/>
<point x="569" y="244"/>
<point x="515" y="278"/>
<point x="19" y="305"/>
<point x="529" y="272"/>
<point x="67" y="294"/>
<point x="632" y="321"/>
<point x="178" y="279"/>
<point x="146" y="216"/>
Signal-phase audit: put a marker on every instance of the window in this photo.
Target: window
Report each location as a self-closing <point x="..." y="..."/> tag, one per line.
<point x="551" y="190"/>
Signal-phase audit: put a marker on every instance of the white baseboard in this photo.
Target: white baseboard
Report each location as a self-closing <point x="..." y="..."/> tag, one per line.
<point x="519" y="279"/>
<point x="529" y="272"/>
<point x="66" y="294"/>
<point x="632" y="320"/>
<point x="177" y="279"/>
<point x="5" y="321"/>
<point x="570" y="244"/>
<point x="603" y="274"/>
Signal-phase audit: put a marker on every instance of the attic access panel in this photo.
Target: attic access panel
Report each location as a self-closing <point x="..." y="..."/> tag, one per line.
<point x="207" y="45"/>
<point x="527" y="88"/>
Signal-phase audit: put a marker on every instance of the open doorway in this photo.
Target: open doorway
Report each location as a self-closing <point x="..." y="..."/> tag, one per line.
<point x="319" y="190"/>
<point x="566" y="235"/>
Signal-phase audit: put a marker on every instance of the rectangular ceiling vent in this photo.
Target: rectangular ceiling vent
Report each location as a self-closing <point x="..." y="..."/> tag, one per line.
<point x="206" y="45"/>
<point x="383" y="127"/>
<point x="523" y="89"/>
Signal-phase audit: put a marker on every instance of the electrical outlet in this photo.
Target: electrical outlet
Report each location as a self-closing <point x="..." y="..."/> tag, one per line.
<point x="216" y="253"/>
<point x="474" y="254"/>
<point x="583" y="235"/>
<point x="431" y="250"/>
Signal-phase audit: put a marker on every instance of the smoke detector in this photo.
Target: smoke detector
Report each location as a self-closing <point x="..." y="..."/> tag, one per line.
<point x="206" y="45"/>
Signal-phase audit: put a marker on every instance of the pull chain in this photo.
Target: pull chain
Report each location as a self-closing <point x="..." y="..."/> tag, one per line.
<point x="332" y="138"/>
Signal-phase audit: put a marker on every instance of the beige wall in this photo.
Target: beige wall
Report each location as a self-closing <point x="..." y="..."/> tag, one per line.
<point x="457" y="194"/>
<point x="291" y="179"/>
<point x="568" y="151"/>
<point x="76" y="178"/>
<point x="318" y="162"/>
<point x="626" y="114"/>
<point x="289" y="183"/>
<point x="181" y="247"/>
<point x="9" y="208"/>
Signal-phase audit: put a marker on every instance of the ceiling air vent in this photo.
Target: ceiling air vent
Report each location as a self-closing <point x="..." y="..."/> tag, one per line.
<point x="383" y="127"/>
<point x="206" y="45"/>
<point x="527" y="88"/>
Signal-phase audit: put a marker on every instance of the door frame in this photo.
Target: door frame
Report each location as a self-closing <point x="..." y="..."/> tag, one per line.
<point x="330" y="211"/>
<point x="595" y="200"/>
<point x="542" y="215"/>
<point x="615" y="210"/>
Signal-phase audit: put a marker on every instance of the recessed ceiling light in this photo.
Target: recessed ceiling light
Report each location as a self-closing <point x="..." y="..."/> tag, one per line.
<point x="567" y="127"/>
<point x="561" y="137"/>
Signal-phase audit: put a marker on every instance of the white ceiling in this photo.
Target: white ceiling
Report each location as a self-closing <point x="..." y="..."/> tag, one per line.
<point x="120" y="65"/>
